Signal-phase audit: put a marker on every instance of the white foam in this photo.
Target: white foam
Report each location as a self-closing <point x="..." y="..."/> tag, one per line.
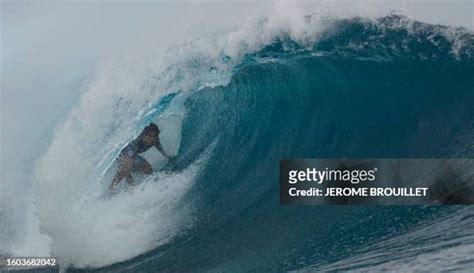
<point x="90" y="231"/>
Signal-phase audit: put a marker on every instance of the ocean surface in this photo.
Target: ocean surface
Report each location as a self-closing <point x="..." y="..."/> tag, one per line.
<point x="389" y="87"/>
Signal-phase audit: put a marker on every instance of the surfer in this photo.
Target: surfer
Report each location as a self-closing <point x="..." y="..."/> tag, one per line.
<point x="129" y="161"/>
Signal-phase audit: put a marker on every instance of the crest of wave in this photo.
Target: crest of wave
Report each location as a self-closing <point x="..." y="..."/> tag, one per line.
<point x="87" y="231"/>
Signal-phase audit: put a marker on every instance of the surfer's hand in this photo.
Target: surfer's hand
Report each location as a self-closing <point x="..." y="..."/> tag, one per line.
<point x="111" y="188"/>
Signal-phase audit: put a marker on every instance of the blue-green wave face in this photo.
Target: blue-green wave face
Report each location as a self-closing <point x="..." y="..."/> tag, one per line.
<point x="386" y="88"/>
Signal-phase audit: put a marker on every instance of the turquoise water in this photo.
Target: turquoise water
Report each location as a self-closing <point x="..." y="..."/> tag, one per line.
<point x="364" y="89"/>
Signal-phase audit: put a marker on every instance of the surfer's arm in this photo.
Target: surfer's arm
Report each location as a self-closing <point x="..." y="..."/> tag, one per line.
<point x="161" y="150"/>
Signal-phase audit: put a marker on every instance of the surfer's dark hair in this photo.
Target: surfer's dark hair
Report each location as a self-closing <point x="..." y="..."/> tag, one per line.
<point x="151" y="128"/>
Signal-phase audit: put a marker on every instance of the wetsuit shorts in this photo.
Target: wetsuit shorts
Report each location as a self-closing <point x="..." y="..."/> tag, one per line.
<point x="138" y="162"/>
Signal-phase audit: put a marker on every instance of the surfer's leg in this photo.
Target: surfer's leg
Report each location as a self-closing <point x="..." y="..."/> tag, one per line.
<point x="143" y="166"/>
<point x="117" y="178"/>
<point x="130" y="180"/>
<point x="123" y="171"/>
